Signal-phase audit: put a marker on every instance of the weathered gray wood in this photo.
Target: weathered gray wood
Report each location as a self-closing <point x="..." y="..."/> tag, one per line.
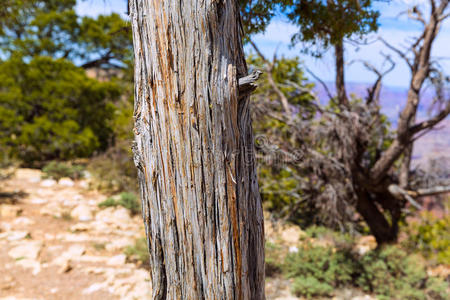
<point x="194" y="151"/>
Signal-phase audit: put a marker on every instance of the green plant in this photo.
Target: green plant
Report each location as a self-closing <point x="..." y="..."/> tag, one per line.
<point x="114" y="170"/>
<point x="50" y="109"/>
<point x="273" y="259"/>
<point x="130" y="202"/>
<point x="309" y="287"/>
<point x="127" y="200"/>
<point x="138" y="252"/>
<point x="110" y="202"/>
<point x="57" y="170"/>
<point x="388" y="272"/>
<point x="329" y="268"/>
<point x="430" y="236"/>
<point x="393" y="274"/>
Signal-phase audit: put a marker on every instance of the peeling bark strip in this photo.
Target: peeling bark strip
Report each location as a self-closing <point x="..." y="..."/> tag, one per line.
<point x="194" y="151"/>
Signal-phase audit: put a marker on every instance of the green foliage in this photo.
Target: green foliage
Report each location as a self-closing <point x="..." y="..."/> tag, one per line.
<point x="310" y="287"/>
<point x="256" y="15"/>
<point x="50" y="109"/>
<point x="430" y="236"/>
<point x="273" y="259"/>
<point x="341" y="240"/>
<point x="52" y="28"/>
<point x="110" y="202"/>
<point x="126" y="200"/>
<point x="106" y="34"/>
<point x="328" y="267"/>
<point x="40" y="27"/>
<point x="130" y="202"/>
<point x="393" y="274"/>
<point x="114" y="170"/>
<point x="57" y="170"/>
<point x="138" y="252"/>
<point x="329" y="22"/>
<point x="390" y="273"/>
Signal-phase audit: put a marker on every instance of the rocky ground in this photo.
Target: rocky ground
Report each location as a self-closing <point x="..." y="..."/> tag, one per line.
<point x="56" y="243"/>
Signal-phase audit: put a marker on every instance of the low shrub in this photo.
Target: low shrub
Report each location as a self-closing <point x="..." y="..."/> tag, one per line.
<point x="58" y="170"/>
<point x="128" y="200"/>
<point x="273" y="259"/>
<point x="430" y="236"/>
<point x="318" y="270"/>
<point x="393" y="274"/>
<point x="114" y="170"/>
<point x="390" y="273"/>
<point x="138" y="252"/>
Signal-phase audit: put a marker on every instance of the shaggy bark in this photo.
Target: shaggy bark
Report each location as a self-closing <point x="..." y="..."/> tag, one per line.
<point x="194" y="151"/>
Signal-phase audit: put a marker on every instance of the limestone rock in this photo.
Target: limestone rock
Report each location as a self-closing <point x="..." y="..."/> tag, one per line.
<point x="30" y="250"/>
<point x="17" y="235"/>
<point x="94" y="288"/>
<point x="48" y="182"/>
<point x="82" y="213"/>
<point x="117" y="260"/>
<point x="66" y="181"/>
<point x="30" y="264"/>
<point x="7" y="210"/>
<point x="23" y="221"/>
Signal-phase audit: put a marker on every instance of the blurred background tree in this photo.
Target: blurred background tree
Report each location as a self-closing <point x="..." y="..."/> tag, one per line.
<point x="65" y="81"/>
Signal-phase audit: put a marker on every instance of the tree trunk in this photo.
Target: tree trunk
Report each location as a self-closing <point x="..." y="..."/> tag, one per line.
<point x="194" y="151"/>
<point x="374" y="208"/>
<point x="405" y="166"/>
<point x="340" y="80"/>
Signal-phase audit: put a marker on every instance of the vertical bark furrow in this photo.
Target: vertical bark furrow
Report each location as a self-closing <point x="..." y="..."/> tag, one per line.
<point x="201" y="205"/>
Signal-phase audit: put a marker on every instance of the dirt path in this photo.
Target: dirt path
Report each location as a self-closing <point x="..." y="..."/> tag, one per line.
<point x="55" y="243"/>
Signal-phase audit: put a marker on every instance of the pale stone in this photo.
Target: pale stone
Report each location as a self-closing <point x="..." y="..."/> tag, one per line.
<point x="117" y="260"/>
<point x="118" y="244"/>
<point x="7" y="210"/>
<point x="66" y="181"/>
<point x="51" y="209"/>
<point x="37" y="201"/>
<point x="365" y="244"/>
<point x="23" y="221"/>
<point x="28" y="250"/>
<point x="17" y="235"/>
<point x="48" y="182"/>
<point x="27" y="174"/>
<point x="66" y="266"/>
<point x="30" y="264"/>
<point x="83" y="184"/>
<point x="34" y="179"/>
<point x="4" y="226"/>
<point x="65" y="259"/>
<point x="82" y="212"/>
<point x="92" y="259"/>
<point x="293" y="249"/>
<point x="49" y="237"/>
<point x="94" y="288"/>
<point x="291" y="235"/>
<point x="442" y="271"/>
<point x="365" y="297"/>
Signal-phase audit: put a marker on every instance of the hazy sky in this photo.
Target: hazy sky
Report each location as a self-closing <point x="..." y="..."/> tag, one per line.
<point x="277" y="36"/>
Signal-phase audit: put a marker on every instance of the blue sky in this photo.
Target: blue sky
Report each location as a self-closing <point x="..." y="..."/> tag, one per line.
<point x="394" y="29"/>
